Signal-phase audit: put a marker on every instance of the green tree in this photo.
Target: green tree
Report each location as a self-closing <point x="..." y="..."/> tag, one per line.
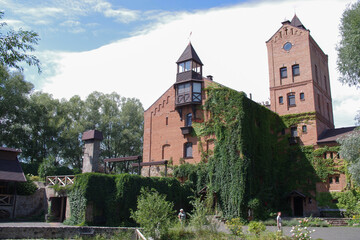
<point x="349" y="47"/>
<point x="70" y="136"/>
<point x="14" y="98"/>
<point x="14" y="46"/>
<point x="153" y="213"/>
<point x="350" y="151"/>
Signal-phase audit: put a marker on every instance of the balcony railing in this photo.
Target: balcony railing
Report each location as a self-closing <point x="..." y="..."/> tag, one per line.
<point x="186" y="130"/>
<point x="6" y="199"/>
<point x="60" y="180"/>
<point x="293" y="140"/>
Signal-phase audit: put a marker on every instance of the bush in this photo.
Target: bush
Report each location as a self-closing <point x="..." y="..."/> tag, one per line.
<point x="153" y="213"/>
<point x="256" y="227"/>
<point x="198" y="218"/>
<point x="26" y="188"/>
<point x="235" y="226"/>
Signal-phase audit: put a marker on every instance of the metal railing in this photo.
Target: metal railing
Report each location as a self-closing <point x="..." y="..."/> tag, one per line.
<point x="60" y="180"/>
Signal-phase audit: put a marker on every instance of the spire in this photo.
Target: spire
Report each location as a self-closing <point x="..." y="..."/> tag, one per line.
<point x="189" y="54"/>
<point x="296" y="22"/>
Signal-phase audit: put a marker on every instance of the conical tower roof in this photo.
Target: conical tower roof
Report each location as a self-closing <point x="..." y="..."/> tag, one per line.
<point x="189" y="54"/>
<point x="296" y="22"/>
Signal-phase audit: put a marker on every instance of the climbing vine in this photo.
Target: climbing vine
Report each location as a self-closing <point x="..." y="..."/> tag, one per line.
<point x="252" y="161"/>
<point x="294" y="119"/>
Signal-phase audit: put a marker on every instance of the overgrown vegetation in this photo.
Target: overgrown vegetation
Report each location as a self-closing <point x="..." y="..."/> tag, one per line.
<point x="26" y="188"/>
<point x="253" y="166"/>
<point x="112" y="197"/>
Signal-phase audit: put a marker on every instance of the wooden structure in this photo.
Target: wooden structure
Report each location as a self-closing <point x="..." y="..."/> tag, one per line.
<point x="108" y="161"/>
<point x="10" y="173"/>
<point x="63" y="180"/>
<point x="149" y="164"/>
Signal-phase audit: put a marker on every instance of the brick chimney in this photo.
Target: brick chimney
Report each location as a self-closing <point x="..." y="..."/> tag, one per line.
<point x="91" y="161"/>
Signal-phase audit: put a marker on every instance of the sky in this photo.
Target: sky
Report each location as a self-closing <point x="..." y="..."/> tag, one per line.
<point x="130" y="47"/>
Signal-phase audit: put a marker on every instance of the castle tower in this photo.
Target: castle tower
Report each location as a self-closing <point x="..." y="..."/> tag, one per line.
<point x="91" y="161"/>
<point x="189" y="81"/>
<point x="299" y="80"/>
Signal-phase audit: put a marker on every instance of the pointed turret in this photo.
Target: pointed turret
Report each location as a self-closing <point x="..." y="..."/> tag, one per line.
<point x="296" y="22"/>
<point x="189" y="65"/>
<point x="189" y="54"/>
<point x="188" y="78"/>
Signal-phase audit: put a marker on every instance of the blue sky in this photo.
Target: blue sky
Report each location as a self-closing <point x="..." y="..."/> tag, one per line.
<point x="131" y="47"/>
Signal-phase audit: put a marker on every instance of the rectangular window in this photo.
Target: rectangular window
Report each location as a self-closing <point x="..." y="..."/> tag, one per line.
<point x="281" y="100"/>
<point x="331" y="155"/>
<point x="283" y="72"/>
<point x="167" y="121"/>
<point x="325" y="83"/>
<point x="330" y="180"/>
<point x="304" y="129"/>
<point x="296" y="70"/>
<point x="187" y="66"/>
<point x="294" y="132"/>
<point x="302" y="96"/>
<point x="316" y="74"/>
<point x="337" y="179"/>
<point x="291" y="100"/>
<point x="188" y="150"/>
<point x="196" y="92"/>
<point x="325" y="155"/>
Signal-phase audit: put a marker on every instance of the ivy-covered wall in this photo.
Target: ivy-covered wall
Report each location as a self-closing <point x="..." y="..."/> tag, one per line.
<point x="252" y="161"/>
<point x="112" y="196"/>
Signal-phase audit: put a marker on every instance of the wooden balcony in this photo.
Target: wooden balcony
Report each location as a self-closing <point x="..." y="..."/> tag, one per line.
<point x="60" y="180"/>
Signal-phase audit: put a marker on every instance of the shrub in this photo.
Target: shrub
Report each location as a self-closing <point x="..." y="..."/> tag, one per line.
<point x="301" y="231"/>
<point x="153" y="213"/>
<point x="198" y="218"/>
<point x="256" y="227"/>
<point x="26" y="188"/>
<point x="235" y="226"/>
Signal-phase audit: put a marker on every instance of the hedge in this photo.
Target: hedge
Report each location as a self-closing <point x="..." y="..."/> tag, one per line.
<point x="112" y="196"/>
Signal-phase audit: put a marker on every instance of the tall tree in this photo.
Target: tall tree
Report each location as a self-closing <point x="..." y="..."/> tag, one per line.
<point x="349" y="47"/>
<point x="350" y="150"/>
<point x="15" y="45"/>
<point x="14" y="98"/>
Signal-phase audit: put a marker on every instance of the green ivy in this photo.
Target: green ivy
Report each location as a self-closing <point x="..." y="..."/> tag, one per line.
<point x="294" y="119"/>
<point x="253" y="165"/>
<point x="113" y="196"/>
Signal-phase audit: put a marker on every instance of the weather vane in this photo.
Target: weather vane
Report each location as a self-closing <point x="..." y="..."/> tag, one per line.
<point x="190" y="36"/>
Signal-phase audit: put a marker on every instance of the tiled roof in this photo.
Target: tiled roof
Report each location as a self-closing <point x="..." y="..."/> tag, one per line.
<point x="92" y="134"/>
<point x="331" y="135"/>
<point x="296" y="22"/>
<point x="10" y="170"/>
<point x="188" y="54"/>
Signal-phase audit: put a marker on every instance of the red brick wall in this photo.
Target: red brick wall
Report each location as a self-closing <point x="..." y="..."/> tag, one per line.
<point x="165" y="141"/>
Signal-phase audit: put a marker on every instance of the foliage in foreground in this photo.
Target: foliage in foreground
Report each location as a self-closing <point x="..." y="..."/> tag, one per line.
<point x="153" y="213"/>
<point x="350" y="150"/>
<point x="348" y="61"/>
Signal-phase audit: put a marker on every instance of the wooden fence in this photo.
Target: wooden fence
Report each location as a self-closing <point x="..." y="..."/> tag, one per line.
<point x="60" y="180"/>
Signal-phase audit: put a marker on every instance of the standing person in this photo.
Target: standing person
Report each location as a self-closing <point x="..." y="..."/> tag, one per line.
<point x="278" y="221"/>
<point x="182" y="216"/>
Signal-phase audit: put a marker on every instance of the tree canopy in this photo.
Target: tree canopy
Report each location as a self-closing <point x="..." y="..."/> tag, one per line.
<point x="15" y="45"/>
<point x="348" y="62"/>
<point x="47" y="128"/>
<point x="350" y="150"/>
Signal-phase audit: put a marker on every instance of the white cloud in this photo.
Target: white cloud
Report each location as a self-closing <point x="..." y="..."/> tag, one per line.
<point x="230" y="42"/>
<point x="73" y="26"/>
<point x="121" y="14"/>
